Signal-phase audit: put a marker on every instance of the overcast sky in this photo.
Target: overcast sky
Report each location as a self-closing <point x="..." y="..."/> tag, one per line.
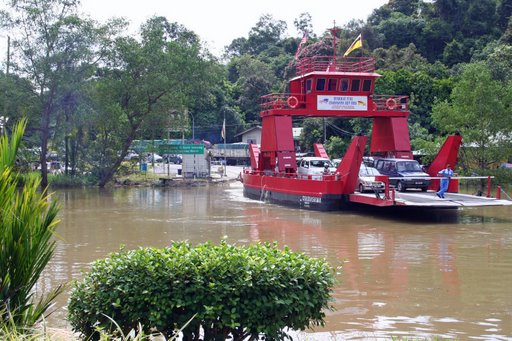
<point x="218" y="22"/>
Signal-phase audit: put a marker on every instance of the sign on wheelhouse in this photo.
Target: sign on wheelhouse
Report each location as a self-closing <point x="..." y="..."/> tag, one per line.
<point x="334" y="86"/>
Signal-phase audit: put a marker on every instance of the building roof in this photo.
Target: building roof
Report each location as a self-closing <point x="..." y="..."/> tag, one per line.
<point x="248" y="131"/>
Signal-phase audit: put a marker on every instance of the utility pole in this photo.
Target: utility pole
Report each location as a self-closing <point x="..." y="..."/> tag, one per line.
<point x="325" y="130"/>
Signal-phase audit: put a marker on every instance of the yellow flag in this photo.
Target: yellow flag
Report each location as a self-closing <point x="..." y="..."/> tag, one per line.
<point x="357" y="44"/>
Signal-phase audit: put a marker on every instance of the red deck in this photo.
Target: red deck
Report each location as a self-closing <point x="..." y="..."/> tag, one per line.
<point x="334" y="87"/>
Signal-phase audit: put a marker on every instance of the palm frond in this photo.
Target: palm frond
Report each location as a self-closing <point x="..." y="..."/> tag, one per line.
<point x="28" y="219"/>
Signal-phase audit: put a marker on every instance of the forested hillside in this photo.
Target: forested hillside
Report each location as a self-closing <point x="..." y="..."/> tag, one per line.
<point x="89" y="89"/>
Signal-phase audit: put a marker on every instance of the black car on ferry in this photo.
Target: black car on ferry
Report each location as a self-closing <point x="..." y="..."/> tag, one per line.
<point x="403" y="173"/>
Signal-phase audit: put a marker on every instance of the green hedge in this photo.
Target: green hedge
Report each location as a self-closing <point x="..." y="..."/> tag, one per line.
<point x="238" y="291"/>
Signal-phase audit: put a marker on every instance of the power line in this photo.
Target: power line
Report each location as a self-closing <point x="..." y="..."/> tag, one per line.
<point x="340" y="130"/>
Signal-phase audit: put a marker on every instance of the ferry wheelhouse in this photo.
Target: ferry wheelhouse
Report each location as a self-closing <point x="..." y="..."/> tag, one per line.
<point x="335" y="86"/>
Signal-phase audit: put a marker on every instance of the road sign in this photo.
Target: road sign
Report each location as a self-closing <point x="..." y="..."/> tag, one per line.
<point x="181" y="149"/>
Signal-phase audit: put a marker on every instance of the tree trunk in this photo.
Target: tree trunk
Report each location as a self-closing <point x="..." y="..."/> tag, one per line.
<point x="45" y="133"/>
<point x="66" y="154"/>
<point x="109" y="174"/>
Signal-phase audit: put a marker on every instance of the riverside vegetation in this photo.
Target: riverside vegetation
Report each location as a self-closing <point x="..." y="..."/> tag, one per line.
<point x="90" y="89"/>
<point x="215" y="291"/>
<point x="28" y="219"/>
<point x="209" y="291"/>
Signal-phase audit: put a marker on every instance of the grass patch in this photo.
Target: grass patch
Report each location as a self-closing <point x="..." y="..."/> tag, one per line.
<point x="69" y="181"/>
<point x="138" y="178"/>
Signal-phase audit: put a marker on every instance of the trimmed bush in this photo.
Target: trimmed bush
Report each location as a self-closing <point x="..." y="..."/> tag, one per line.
<point x="232" y="291"/>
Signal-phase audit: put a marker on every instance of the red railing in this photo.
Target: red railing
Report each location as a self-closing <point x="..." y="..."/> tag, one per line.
<point x="289" y="101"/>
<point x="281" y="101"/>
<point x="390" y="103"/>
<point x="320" y="177"/>
<point x="331" y="64"/>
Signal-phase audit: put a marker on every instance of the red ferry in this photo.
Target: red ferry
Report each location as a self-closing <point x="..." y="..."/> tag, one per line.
<point x="335" y="86"/>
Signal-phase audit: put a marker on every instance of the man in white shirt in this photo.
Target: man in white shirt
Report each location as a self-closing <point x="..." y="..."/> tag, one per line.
<point x="446" y="173"/>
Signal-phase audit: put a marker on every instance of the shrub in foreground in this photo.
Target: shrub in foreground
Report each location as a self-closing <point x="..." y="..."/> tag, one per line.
<point x="241" y="292"/>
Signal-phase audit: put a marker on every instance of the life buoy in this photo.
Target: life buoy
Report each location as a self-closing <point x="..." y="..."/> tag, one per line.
<point x="292" y="102"/>
<point x="391" y="103"/>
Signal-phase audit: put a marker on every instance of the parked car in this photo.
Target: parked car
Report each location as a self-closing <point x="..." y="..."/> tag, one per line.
<point x="55" y="167"/>
<point x="131" y="155"/>
<point x="315" y="166"/>
<point x="172" y="158"/>
<point x="403" y="173"/>
<point x="366" y="181"/>
<point x="369" y="161"/>
<point x="151" y="157"/>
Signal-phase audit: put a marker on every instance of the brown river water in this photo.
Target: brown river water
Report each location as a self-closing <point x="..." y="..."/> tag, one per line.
<point x="433" y="275"/>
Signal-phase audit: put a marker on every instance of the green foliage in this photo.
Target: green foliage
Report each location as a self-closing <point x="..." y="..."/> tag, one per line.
<point x="24" y="178"/>
<point x="242" y="291"/>
<point x="401" y="30"/>
<point x="479" y="109"/>
<point x="336" y="147"/>
<point x="252" y="79"/>
<point x="53" y="49"/>
<point x="421" y="88"/>
<point x="498" y="58"/>
<point x="430" y="25"/>
<point x="395" y="59"/>
<point x="103" y="88"/>
<point x="155" y="77"/>
<point x="266" y="34"/>
<point x="66" y="181"/>
<point x="312" y="133"/>
<point x="501" y="176"/>
<point x="18" y="99"/>
<point x="9" y="331"/>
<point x="27" y="223"/>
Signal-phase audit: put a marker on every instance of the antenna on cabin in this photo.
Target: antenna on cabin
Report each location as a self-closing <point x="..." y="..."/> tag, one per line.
<point x="334" y="30"/>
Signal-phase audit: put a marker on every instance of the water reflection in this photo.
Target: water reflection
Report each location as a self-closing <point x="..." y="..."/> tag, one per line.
<point x="398" y="277"/>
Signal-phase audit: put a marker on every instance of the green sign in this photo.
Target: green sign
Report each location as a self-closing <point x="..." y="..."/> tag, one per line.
<point x="166" y="147"/>
<point x="181" y="149"/>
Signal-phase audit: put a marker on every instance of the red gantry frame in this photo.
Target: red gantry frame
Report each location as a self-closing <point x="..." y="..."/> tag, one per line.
<point x="330" y="86"/>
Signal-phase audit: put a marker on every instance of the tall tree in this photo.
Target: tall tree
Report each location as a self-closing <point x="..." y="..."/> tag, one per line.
<point x="504" y="11"/>
<point x="158" y="75"/>
<point x="479" y="109"/>
<point x="408" y="7"/>
<point x="253" y="79"/>
<point x="52" y="47"/>
<point x="17" y="100"/>
<point x="266" y="34"/>
<point x="303" y="23"/>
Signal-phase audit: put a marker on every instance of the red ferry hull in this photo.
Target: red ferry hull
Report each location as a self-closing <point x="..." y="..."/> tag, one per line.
<point x="327" y="192"/>
<point x="320" y="195"/>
